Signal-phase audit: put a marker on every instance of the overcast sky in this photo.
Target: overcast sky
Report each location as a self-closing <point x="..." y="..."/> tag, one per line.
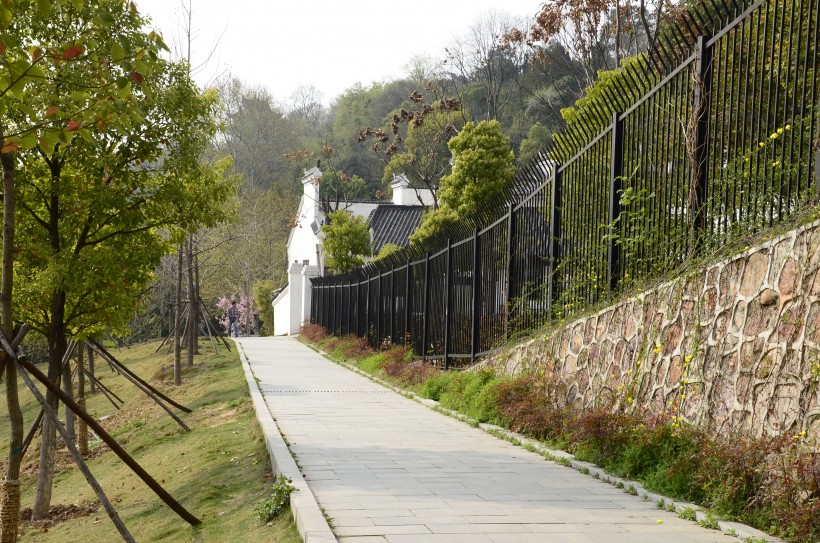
<point x="330" y="44"/>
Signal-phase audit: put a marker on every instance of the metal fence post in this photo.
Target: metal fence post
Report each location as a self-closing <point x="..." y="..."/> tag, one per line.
<point x="475" y="343"/>
<point x="349" y="308"/>
<point x="358" y="311"/>
<point x="325" y="323"/>
<point x="337" y="309"/>
<point x="393" y="303"/>
<point x="616" y="172"/>
<point x="555" y="239"/>
<point x="426" y="303"/>
<point x="448" y="302"/>
<point x="379" y="306"/>
<point x="510" y="267"/>
<point x="700" y="108"/>
<point x="408" y="293"/>
<point x="367" y="307"/>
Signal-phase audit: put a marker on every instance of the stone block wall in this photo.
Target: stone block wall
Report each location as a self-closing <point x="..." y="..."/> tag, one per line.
<point x="734" y="346"/>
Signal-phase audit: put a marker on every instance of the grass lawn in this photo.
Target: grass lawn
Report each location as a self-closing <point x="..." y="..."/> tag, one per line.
<point x="219" y="470"/>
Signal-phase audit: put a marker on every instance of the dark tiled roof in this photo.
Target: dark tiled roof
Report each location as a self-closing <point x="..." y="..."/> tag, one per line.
<point x="391" y="223"/>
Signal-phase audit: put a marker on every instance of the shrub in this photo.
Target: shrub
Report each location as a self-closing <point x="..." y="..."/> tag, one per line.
<point x="470" y="392"/>
<point x="410" y="373"/>
<point x="313" y="333"/>
<point x="792" y="491"/>
<point x="354" y="347"/>
<point x="433" y="388"/>
<point x="533" y="406"/>
<point x="278" y="500"/>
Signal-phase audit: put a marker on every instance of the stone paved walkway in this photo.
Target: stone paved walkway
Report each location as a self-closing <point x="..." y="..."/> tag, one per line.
<point x="388" y="469"/>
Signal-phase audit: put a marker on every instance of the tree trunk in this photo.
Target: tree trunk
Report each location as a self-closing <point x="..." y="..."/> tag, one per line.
<point x="82" y="427"/>
<point x="191" y="333"/>
<point x="197" y="310"/>
<point x="10" y="491"/>
<point x="57" y="345"/>
<point x="68" y="388"/>
<point x="92" y="385"/>
<point x="178" y="322"/>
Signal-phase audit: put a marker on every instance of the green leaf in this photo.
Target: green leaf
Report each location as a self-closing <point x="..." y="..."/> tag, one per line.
<point x="48" y="139"/>
<point x="86" y="135"/>
<point x="78" y="4"/>
<point x="6" y="16"/>
<point x="36" y="72"/>
<point x="124" y="91"/>
<point x="28" y="110"/>
<point x="29" y="140"/>
<point x="117" y="52"/>
<point x="104" y="18"/>
<point x="45" y="8"/>
<point x="142" y="67"/>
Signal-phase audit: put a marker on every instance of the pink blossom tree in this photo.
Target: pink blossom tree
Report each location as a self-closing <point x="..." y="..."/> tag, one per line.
<point x="244" y="305"/>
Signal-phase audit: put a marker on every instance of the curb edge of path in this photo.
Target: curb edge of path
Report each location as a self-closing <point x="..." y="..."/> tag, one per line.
<point x="310" y="522"/>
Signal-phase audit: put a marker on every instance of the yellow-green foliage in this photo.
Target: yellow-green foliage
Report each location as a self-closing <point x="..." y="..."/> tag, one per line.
<point x="483" y="166"/>
<point x="347" y="241"/>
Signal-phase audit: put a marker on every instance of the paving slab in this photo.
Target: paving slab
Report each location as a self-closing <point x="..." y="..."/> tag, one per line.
<point x="391" y="470"/>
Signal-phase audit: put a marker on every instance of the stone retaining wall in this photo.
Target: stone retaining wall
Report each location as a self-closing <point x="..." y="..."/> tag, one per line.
<point x="735" y="346"/>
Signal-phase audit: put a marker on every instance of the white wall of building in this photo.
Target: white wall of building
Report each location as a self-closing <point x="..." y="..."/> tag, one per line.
<point x="405" y="195"/>
<point x="291" y="308"/>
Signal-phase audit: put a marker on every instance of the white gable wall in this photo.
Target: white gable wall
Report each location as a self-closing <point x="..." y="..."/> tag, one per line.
<point x="305" y="256"/>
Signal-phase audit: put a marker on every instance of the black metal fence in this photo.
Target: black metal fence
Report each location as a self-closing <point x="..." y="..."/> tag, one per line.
<point x="712" y="135"/>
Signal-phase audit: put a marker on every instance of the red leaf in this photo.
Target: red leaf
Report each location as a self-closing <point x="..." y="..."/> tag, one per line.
<point x="36" y="54"/>
<point x="2" y="47"/>
<point x="10" y="147"/>
<point x="137" y="77"/>
<point x="72" y="126"/>
<point x="52" y="110"/>
<point x="73" y="51"/>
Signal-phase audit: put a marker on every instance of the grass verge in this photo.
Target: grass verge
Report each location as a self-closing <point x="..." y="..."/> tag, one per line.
<point x="219" y="471"/>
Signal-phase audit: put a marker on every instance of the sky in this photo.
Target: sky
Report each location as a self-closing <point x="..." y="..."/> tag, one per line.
<point x="330" y="44"/>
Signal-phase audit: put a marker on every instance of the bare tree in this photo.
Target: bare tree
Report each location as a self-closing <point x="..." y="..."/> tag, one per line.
<point x="477" y="57"/>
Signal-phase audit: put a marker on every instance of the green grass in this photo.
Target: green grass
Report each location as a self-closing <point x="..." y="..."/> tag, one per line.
<point x="219" y="470"/>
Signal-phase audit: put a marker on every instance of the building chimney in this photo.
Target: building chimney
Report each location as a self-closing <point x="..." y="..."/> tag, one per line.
<point x="400" y="184"/>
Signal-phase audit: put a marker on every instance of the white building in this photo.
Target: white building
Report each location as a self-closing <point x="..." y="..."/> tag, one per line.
<point x="393" y="224"/>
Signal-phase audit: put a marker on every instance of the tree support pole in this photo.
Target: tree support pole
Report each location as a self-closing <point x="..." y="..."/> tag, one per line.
<point x="122" y="368"/>
<point x="33" y="432"/>
<point x="222" y="337"/>
<point x="112" y="513"/>
<point x="24" y="364"/>
<point x="92" y="389"/>
<point x="82" y="427"/>
<point x="107" y="392"/>
<point x="18" y="340"/>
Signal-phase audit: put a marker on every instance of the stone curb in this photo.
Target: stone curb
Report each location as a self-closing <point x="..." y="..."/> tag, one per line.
<point x="310" y="522"/>
<point x="736" y="529"/>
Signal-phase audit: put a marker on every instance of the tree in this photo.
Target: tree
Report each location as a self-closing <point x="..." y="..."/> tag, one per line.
<point x="307" y="114"/>
<point x="423" y="69"/>
<point x="98" y="209"/>
<point x="80" y="69"/>
<point x="418" y="148"/>
<point x="538" y="137"/>
<point x="337" y="190"/>
<point x="251" y="248"/>
<point x="483" y="166"/>
<point x="595" y="34"/>
<point x="485" y="69"/>
<point x="346" y="243"/>
<point x="257" y="134"/>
